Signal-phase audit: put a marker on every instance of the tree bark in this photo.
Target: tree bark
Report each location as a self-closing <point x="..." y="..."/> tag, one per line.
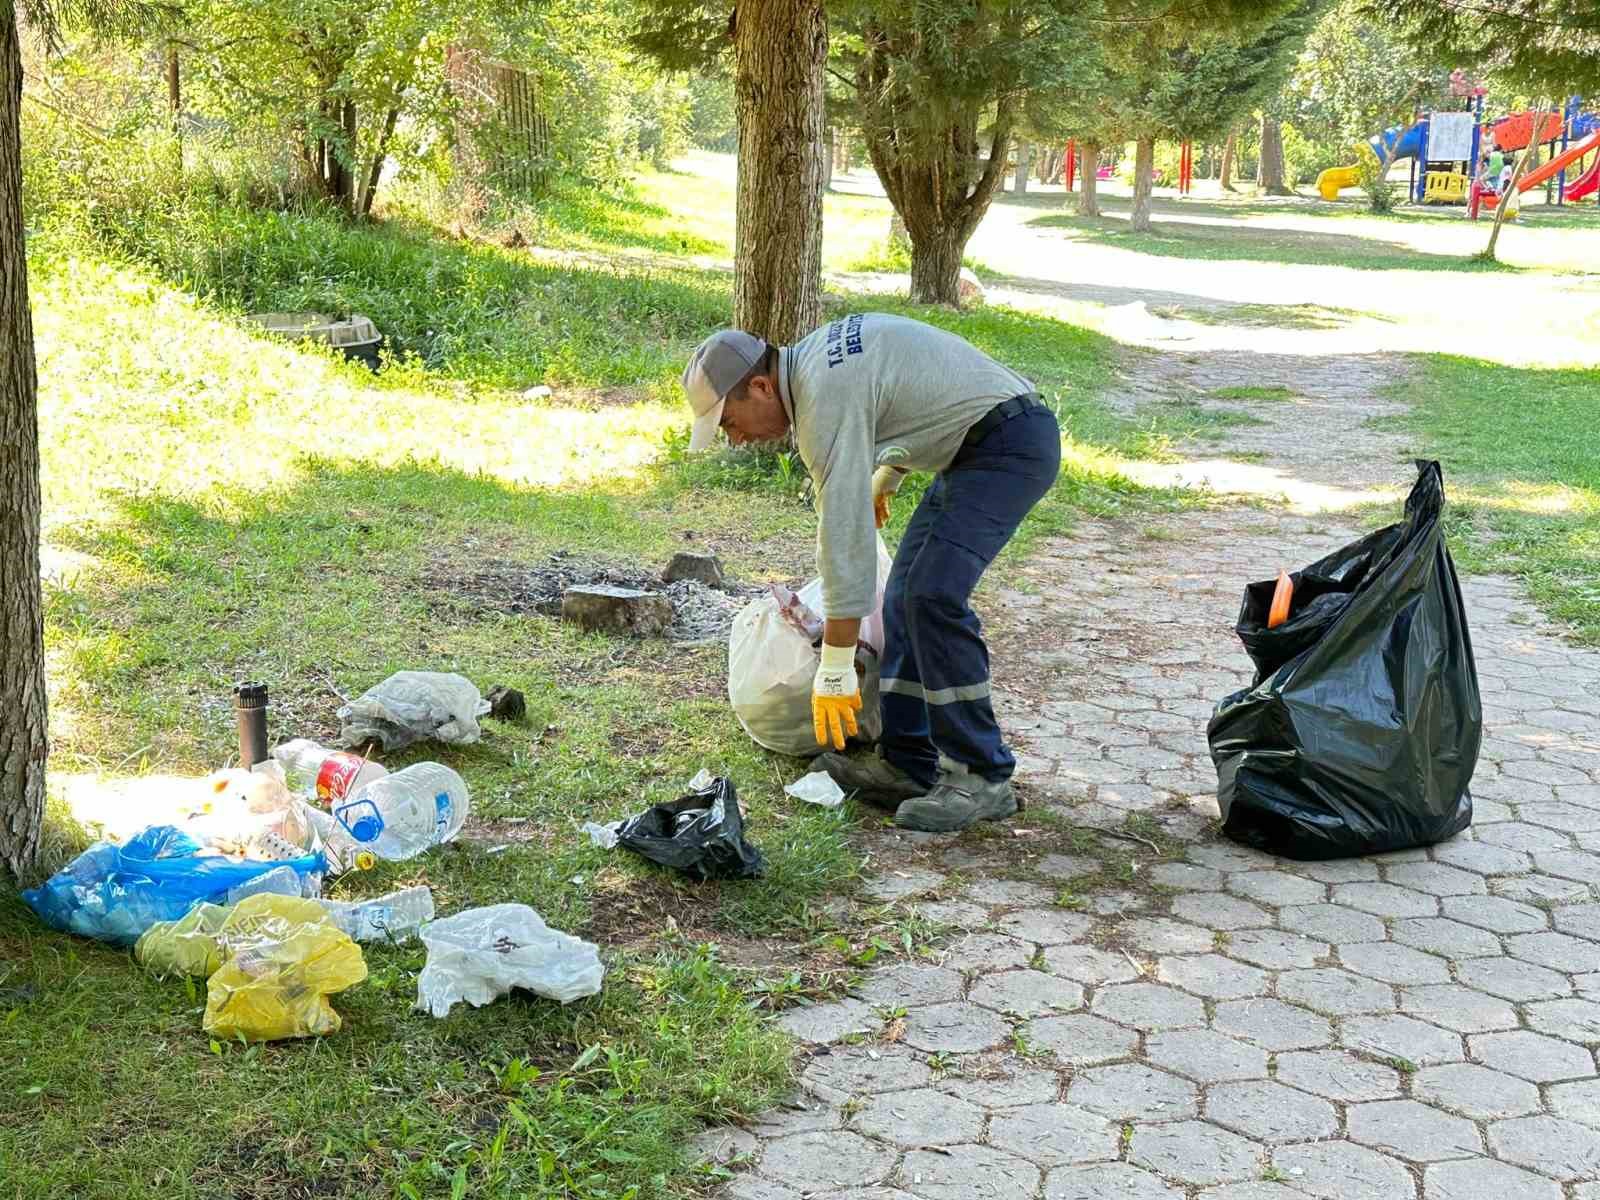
<point x="1024" y="162"/>
<point x="364" y="202"/>
<point x="1144" y="161"/>
<point x="1088" y="174"/>
<point x="1230" y="151"/>
<point x="1271" y="168"/>
<point x="780" y="47"/>
<point x="24" y="740"/>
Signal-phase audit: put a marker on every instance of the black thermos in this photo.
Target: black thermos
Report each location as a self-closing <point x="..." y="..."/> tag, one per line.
<point x="250" y="707"/>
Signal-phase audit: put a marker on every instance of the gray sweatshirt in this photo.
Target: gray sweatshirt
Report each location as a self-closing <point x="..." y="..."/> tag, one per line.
<point x="872" y="389"/>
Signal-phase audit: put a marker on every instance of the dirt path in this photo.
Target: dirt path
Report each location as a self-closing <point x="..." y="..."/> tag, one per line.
<point x="1134" y="1009"/>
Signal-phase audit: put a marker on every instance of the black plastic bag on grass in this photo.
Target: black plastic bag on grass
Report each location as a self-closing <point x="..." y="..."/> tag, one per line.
<point x="701" y="834"/>
<point x="1361" y="731"/>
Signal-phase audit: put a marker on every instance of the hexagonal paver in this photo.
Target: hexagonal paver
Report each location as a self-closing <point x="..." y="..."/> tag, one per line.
<point x="1440" y="935"/>
<point x="823" y="1023"/>
<point x="1485" y="1179"/>
<point x="1559" y="951"/>
<point x="1186" y="877"/>
<point x="1394" y="964"/>
<point x="1572" y="1020"/>
<point x="754" y="1187"/>
<point x="1341" y="870"/>
<point x="1580" y="920"/>
<point x="797" y="1117"/>
<point x="1519" y="835"/>
<point x="1337" y="993"/>
<point x="1275" y="949"/>
<point x="1007" y="891"/>
<point x="1564" y="1149"/>
<point x="1269" y="1112"/>
<point x="1257" y="1190"/>
<point x="906" y="985"/>
<point x="1437" y="879"/>
<point x="1578" y="1101"/>
<point x="1332" y="923"/>
<point x="957" y="914"/>
<point x="1568" y="818"/>
<point x="723" y="1146"/>
<point x="1338" y="1075"/>
<point x="877" y="1193"/>
<point x="1053" y="1135"/>
<point x="845" y="1073"/>
<point x="1212" y="976"/>
<point x="1540" y="889"/>
<point x="1194" y="1152"/>
<point x="1277" y="888"/>
<point x="1003" y="1083"/>
<point x="1414" y="1131"/>
<point x="1148" y="1006"/>
<point x="1343" y="1171"/>
<point x="1211" y="911"/>
<point x="1044" y="926"/>
<point x="897" y="885"/>
<point x="1402" y="1038"/>
<point x="1130" y="1091"/>
<point x="1066" y="866"/>
<point x="1513" y="979"/>
<point x="1081" y="1040"/>
<point x="1384" y="900"/>
<point x="1569" y="864"/>
<point x="1113" y="1179"/>
<point x="1027" y="993"/>
<point x="957" y="1028"/>
<point x="1272" y="1024"/>
<point x="1532" y="1056"/>
<point x="1157" y="935"/>
<point x="1494" y="913"/>
<point x="1226" y="857"/>
<point x="922" y="1117"/>
<point x="1206" y="1056"/>
<point x="826" y="1158"/>
<point x="1089" y="965"/>
<point x="1475" y="1091"/>
<point x="1482" y="858"/>
<point x="962" y="1172"/>
<point x="988" y="952"/>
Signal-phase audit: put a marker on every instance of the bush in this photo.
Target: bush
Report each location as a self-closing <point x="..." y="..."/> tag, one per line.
<point x="1304" y="159"/>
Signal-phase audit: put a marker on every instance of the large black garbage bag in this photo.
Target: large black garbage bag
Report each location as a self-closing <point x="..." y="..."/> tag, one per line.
<point x="1361" y="731"/>
<point x="701" y="834"/>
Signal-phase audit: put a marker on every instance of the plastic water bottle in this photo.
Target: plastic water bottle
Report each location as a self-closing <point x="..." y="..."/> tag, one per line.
<point x="283" y="881"/>
<point x="332" y="774"/>
<point x="393" y="917"/>
<point x="401" y="815"/>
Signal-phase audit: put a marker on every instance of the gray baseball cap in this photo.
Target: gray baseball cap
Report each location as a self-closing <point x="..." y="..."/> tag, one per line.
<point x="714" y="370"/>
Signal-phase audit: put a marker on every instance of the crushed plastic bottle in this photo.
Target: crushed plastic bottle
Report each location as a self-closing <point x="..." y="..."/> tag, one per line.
<point x="281" y="881"/>
<point x="401" y="815"/>
<point x="330" y="774"/>
<point x="394" y="917"/>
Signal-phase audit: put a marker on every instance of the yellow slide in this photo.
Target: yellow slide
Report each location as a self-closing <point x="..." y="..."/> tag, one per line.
<point x="1334" y="178"/>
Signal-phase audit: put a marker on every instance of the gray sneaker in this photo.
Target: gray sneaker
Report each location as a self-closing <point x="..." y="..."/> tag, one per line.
<point x="957" y="801"/>
<point x="875" y="779"/>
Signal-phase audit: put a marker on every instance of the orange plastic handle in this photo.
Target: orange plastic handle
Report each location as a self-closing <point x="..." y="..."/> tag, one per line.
<point x="1281" y="596"/>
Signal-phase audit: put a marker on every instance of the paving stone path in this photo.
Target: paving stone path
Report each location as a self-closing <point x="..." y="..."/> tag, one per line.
<point x="1227" y="1026"/>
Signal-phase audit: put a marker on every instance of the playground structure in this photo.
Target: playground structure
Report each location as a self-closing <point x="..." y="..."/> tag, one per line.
<point x="1445" y="148"/>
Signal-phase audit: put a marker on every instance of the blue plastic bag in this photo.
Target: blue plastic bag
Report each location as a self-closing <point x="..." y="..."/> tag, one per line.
<point x="114" y="893"/>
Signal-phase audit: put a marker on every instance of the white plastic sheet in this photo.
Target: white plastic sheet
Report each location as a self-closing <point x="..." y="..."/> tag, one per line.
<point x="817" y="788"/>
<point x="481" y="954"/>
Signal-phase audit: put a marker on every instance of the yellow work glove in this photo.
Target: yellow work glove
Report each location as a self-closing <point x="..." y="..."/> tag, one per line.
<point x="885" y="483"/>
<point x="835" y="696"/>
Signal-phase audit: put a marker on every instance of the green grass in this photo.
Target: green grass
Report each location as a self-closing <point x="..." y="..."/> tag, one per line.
<point x="1521" y="455"/>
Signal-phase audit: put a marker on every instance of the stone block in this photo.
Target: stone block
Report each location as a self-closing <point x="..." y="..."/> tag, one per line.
<point x="697" y="568"/>
<point x="627" y="611"/>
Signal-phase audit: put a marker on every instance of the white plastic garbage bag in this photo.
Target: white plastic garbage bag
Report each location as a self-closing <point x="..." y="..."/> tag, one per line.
<point x="772" y="658"/>
<point x="410" y="706"/>
<point x="481" y="954"/>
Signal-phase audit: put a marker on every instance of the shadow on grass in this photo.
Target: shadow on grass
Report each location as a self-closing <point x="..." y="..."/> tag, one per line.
<point x="1242" y="243"/>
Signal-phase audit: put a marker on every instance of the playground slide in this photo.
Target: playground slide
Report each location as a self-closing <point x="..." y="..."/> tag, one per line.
<point x="1534" y="178"/>
<point x="1395" y="142"/>
<point x="1587" y="184"/>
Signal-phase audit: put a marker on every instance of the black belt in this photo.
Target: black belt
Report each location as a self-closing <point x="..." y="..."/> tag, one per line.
<point x="999" y="414"/>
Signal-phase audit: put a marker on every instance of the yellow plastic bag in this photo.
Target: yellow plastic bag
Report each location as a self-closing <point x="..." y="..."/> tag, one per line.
<point x="282" y="959"/>
<point x="184" y="947"/>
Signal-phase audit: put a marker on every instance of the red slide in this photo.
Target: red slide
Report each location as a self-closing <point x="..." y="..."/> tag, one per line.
<point x="1585" y="184"/>
<point x="1534" y="178"/>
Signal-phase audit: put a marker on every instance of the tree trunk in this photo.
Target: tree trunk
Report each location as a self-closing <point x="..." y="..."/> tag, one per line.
<point x="1230" y="151"/>
<point x="780" y="47"/>
<point x="349" y="171"/>
<point x="936" y="267"/>
<point x="1144" y="161"/>
<point x="23" y="733"/>
<point x="364" y="201"/>
<point x="1271" y="168"/>
<point x="1089" y="188"/>
<point x="1024" y="162"/>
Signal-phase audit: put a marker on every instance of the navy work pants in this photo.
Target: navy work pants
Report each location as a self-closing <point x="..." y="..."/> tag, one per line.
<point x="935" y="669"/>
